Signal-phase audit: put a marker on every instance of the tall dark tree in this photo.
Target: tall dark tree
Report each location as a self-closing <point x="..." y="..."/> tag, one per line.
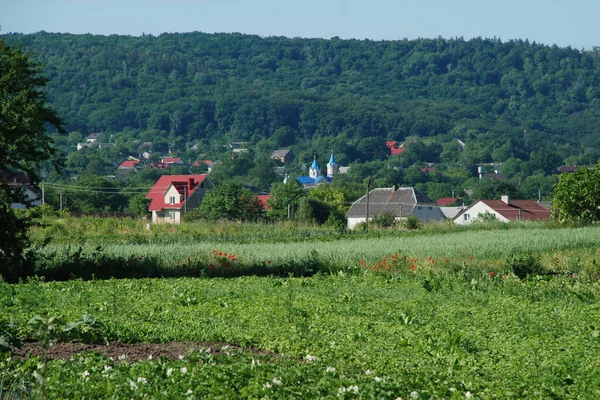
<point x="24" y="145"/>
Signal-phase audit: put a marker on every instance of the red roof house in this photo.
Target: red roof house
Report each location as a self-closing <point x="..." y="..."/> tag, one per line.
<point x="395" y="147"/>
<point x="129" y="164"/>
<point x="504" y="210"/>
<point x="444" y="201"/>
<point x="172" y="160"/>
<point x="174" y="195"/>
<point x="262" y="198"/>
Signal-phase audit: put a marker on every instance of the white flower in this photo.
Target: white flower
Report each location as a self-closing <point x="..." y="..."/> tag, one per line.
<point x="107" y="368"/>
<point x="267" y="386"/>
<point x="149" y="356"/>
<point x="170" y="372"/>
<point x="330" y="369"/>
<point x="181" y="356"/>
<point x="378" y="379"/>
<point x="183" y="370"/>
<point x="122" y="357"/>
<point x="349" y="389"/>
<point x="368" y="372"/>
<point x="256" y="363"/>
<point x="469" y="395"/>
<point x="141" y="379"/>
<point x="85" y="374"/>
<point x="132" y="384"/>
<point x="414" y="395"/>
<point x="310" y="358"/>
<point x="276" y="381"/>
<point x="189" y="392"/>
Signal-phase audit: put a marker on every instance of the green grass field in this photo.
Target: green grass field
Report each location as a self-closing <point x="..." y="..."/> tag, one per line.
<point x="466" y="328"/>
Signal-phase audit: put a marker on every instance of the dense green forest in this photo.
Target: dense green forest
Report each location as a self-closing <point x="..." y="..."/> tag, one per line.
<point x="526" y="106"/>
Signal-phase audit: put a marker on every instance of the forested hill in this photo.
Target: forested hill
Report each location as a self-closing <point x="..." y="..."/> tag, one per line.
<point x="195" y="87"/>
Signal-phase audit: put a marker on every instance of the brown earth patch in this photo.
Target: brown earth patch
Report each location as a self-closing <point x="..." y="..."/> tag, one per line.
<point x="129" y="352"/>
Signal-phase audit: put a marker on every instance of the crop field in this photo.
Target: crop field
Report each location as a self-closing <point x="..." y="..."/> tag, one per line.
<point x="489" y="313"/>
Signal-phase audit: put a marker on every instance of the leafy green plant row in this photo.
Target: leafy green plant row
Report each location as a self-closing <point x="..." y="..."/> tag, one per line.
<point x="62" y="262"/>
<point x="439" y="334"/>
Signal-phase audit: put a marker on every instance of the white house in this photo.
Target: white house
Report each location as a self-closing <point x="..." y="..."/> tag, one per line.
<point x="18" y="180"/>
<point x="503" y="210"/>
<point x="174" y="195"/>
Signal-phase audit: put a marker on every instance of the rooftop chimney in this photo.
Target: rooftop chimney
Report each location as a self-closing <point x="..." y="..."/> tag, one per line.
<point x="505" y="199"/>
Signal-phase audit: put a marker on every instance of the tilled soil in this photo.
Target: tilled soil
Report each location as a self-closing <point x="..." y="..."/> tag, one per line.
<point x="129" y="352"/>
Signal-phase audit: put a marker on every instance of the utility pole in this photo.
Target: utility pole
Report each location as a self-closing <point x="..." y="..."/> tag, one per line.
<point x="185" y="199"/>
<point x="368" y="190"/>
<point x="43" y="198"/>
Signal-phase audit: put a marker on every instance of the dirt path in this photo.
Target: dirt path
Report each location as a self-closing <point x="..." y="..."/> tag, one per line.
<point x="124" y="351"/>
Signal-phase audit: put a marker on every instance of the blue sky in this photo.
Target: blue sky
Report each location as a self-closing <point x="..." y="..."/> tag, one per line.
<point x="562" y="22"/>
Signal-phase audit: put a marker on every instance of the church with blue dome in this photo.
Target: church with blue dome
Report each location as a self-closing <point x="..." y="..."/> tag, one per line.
<point x="315" y="178"/>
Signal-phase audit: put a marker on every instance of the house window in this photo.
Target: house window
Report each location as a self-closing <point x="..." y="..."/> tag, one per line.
<point x="172" y="200"/>
<point x="171" y="214"/>
<point x="419" y="208"/>
<point x="431" y="208"/>
<point x="467" y="217"/>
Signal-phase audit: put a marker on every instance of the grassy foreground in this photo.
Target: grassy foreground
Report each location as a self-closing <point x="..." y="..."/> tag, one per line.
<point x="506" y="311"/>
<point x="375" y="336"/>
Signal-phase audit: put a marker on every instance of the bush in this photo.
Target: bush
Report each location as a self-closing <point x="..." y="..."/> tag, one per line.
<point x="385" y="220"/>
<point x="412" y="222"/>
<point x="524" y="265"/>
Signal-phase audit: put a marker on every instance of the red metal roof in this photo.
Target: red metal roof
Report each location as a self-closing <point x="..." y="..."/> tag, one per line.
<point x="185" y="184"/>
<point x="172" y="160"/>
<point x="129" y="164"/>
<point x="397" y="151"/>
<point x="519" y="209"/>
<point x="444" y="201"/>
<point x="263" y="201"/>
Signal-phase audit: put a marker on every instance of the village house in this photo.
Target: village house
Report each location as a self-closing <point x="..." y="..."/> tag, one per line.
<point x="174" y="195"/>
<point x="503" y="210"/>
<point x="283" y="156"/>
<point x="566" y="169"/>
<point x="401" y="202"/>
<point x="93" y="137"/>
<point x="16" y="180"/>
<point x="395" y="147"/>
<point x="129" y="165"/>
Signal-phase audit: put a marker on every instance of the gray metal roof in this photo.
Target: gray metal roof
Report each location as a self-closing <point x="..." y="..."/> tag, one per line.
<point x="399" y="202"/>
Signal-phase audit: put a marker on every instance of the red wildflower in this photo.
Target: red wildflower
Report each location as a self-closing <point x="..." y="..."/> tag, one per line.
<point x="412" y="267"/>
<point x="214" y="251"/>
<point x="470" y="258"/>
<point x="269" y="262"/>
<point x="491" y="273"/>
<point x="220" y="254"/>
